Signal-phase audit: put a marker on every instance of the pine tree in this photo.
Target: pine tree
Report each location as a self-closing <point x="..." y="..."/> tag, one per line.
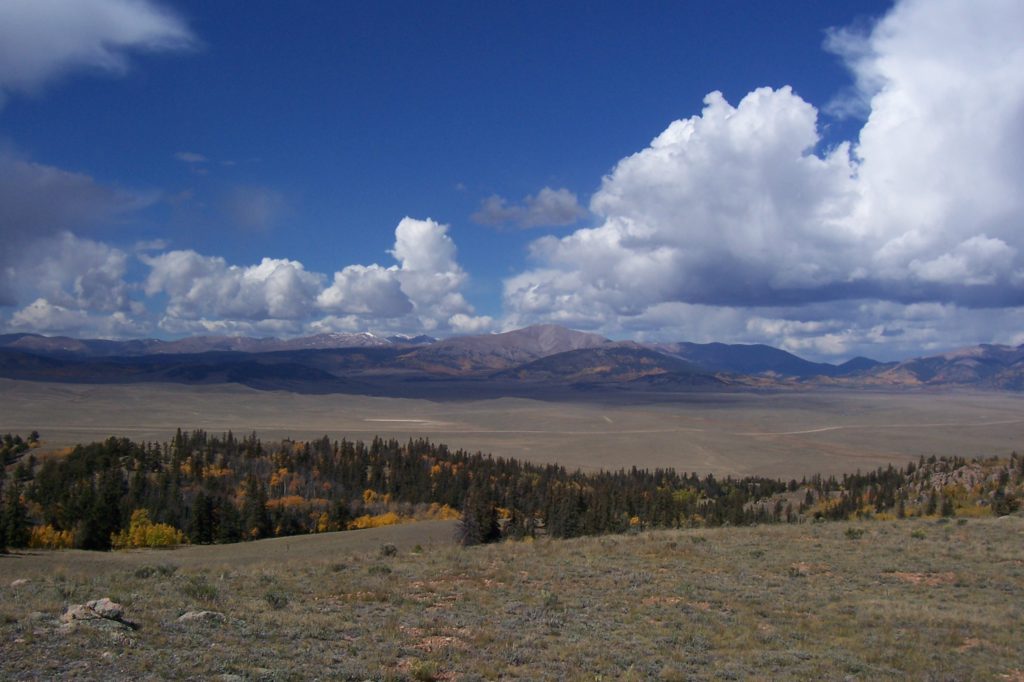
<point x="3" y="523"/>
<point x="947" y="506"/>
<point x="201" y="528"/>
<point x="15" y="523"/>
<point x="479" y="522"/>
<point x="340" y="515"/>
<point x="228" y="522"/>
<point x="103" y="516"/>
<point x="255" y="518"/>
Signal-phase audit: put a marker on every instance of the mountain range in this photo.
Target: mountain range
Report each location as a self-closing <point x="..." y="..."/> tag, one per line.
<point x="521" y="361"/>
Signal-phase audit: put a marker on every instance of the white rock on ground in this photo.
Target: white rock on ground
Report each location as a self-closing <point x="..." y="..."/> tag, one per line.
<point x="202" y="617"/>
<point x="93" y="610"/>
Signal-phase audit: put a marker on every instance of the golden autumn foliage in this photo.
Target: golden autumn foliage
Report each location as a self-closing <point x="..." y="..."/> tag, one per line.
<point x="48" y="537"/>
<point x="442" y="512"/>
<point x="823" y="506"/>
<point x="279" y="477"/>
<point x="287" y="501"/>
<point x="376" y="521"/>
<point x="298" y="502"/>
<point x="144" y="533"/>
<point x="214" y="471"/>
<point x="323" y="522"/>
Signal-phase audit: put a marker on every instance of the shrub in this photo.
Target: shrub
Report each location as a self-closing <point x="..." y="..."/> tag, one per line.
<point x="47" y="537"/>
<point x="142" y="532"/>
<point x="424" y="671"/>
<point x="199" y="589"/>
<point x="163" y="570"/>
<point x="368" y="521"/>
<point x="854" y="533"/>
<point x="276" y="599"/>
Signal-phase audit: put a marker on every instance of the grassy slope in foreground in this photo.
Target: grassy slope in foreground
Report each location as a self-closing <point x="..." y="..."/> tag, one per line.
<point x="878" y="600"/>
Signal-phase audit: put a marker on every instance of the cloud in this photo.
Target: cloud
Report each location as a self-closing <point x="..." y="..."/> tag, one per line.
<point x="371" y="290"/>
<point x="38" y="202"/>
<point x="549" y="208"/>
<point x="76" y="273"/>
<point x="255" y="208"/>
<point x="461" y="323"/>
<point x="421" y="292"/>
<point x="147" y="245"/>
<point x="200" y="287"/>
<point x="190" y="157"/>
<point x="41" y="316"/>
<point x="41" y="40"/>
<point x="738" y="209"/>
<point x="232" y="327"/>
<point x="429" y="273"/>
<point x="711" y="198"/>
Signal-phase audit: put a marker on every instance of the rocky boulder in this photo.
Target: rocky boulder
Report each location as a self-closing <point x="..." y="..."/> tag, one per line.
<point x="101" y="611"/>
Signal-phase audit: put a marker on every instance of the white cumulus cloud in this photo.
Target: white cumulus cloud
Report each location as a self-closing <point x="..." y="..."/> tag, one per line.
<point x="206" y="294"/>
<point x="77" y="273"/>
<point x="740" y="209"/>
<point x="201" y="287"/>
<point x="39" y="202"/>
<point x="42" y="316"/>
<point x="366" y="290"/>
<point x="421" y="292"/>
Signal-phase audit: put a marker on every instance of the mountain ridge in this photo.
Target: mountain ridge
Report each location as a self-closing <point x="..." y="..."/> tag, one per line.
<point x="532" y="357"/>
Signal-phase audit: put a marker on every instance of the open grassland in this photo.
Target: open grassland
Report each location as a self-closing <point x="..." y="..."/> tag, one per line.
<point x="878" y="600"/>
<point x="785" y="434"/>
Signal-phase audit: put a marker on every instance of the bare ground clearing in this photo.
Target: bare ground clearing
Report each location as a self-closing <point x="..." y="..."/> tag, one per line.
<point x="774" y="434"/>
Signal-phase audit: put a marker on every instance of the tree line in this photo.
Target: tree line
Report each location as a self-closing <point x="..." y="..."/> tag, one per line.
<point x="224" y="488"/>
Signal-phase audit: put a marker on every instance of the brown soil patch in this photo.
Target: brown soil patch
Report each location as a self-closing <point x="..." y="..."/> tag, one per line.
<point x="969" y="643"/>
<point x="805" y="568"/>
<point x="929" y="579"/>
<point x="439" y="642"/>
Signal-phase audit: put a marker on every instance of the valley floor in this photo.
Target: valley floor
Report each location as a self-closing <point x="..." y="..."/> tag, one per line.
<point x="916" y="599"/>
<point x="745" y="433"/>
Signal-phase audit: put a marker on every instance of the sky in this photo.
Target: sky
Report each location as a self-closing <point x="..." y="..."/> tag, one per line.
<point x="832" y="178"/>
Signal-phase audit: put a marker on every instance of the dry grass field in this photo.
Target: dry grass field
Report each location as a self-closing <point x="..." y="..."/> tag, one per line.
<point x="919" y="599"/>
<point x="786" y="434"/>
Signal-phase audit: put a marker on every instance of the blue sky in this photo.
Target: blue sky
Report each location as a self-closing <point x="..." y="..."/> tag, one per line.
<point x="270" y="169"/>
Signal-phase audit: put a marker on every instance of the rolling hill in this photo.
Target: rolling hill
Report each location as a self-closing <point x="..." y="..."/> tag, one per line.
<point x="612" y="364"/>
<point x="758" y="359"/>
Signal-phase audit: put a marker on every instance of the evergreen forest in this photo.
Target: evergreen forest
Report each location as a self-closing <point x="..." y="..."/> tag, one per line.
<point x="205" y="488"/>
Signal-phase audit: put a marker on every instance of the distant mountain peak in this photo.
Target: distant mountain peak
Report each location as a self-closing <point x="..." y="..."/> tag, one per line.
<point x="570" y="356"/>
